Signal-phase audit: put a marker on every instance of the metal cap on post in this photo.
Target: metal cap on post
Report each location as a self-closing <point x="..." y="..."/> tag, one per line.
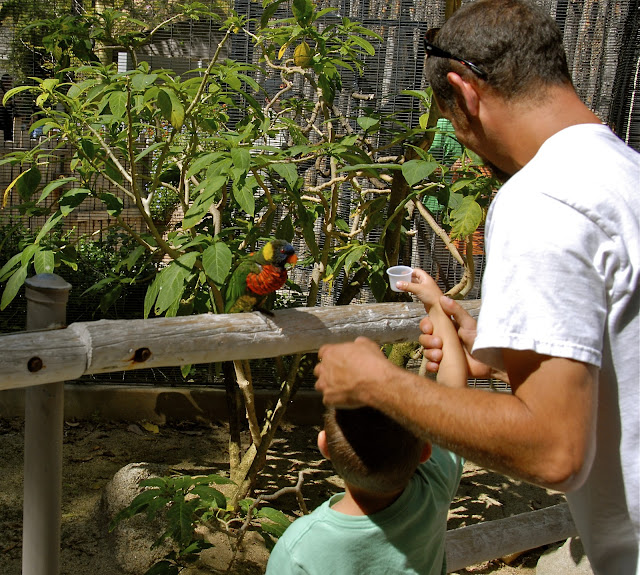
<point x="47" y="296"/>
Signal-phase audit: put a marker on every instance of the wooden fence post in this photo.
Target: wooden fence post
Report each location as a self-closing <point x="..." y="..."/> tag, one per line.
<point x="47" y="296"/>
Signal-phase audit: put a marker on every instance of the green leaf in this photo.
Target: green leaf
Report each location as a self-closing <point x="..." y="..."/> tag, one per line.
<point x="378" y="284"/>
<point x="216" y="261"/>
<point x="415" y="171"/>
<point x="159" y="482"/>
<point x="241" y="158"/>
<point x="72" y="199"/>
<point x="200" y="208"/>
<point x="461" y="184"/>
<point x="7" y="269"/>
<point x="302" y="11"/>
<point x="152" y="148"/>
<point x="367" y="122"/>
<point x="218" y="479"/>
<point x="455" y="201"/>
<point x="195" y="547"/>
<point x="210" y="497"/>
<point x="28" y="183"/>
<point x="88" y="147"/>
<point x="52" y="186"/>
<point x="44" y="262"/>
<point x="466" y="218"/>
<point x="111" y="297"/>
<point x="172" y="279"/>
<point x="163" y="568"/>
<point x="112" y="171"/>
<point x="114" y="204"/>
<point x="307" y="221"/>
<point x="171" y="107"/>
<point x="364" y="44"/>
<point x="354" y="256"/>
<point x="180" y="518"/>
<point x="269" y="11"/>
<point x="273" y="528"/>
<point x="48" y="226"/>
<point x="132" y="258"/>
<point x="138" y="505"/>
<point x="202" y="162"/>
<point x="274" y="515"/>
<point x="151" y="296"/>
<point x="285" y="230"/>
<point x="118" y="104"/>
<point x="13" y="286"/>
<point x="28" y="253"/>
<point x="287" y="171"/>
<point x="143" y="81"/>
<point x="243" y="195"/>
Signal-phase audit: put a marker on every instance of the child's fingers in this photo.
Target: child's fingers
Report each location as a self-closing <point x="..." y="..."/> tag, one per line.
<point x="420" y="275"/>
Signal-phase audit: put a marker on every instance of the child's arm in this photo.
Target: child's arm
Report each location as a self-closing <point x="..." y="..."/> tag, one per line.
<point x="453" y="367"/>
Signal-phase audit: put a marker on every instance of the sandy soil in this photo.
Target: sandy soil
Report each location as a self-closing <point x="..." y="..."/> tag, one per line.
<point x="95" y="450"/>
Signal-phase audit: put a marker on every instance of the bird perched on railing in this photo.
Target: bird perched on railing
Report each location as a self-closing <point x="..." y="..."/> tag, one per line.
<point x="259" y="275"/>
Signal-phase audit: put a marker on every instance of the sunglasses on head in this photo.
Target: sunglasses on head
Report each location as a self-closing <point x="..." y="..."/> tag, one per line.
<point x="433" y="50"/>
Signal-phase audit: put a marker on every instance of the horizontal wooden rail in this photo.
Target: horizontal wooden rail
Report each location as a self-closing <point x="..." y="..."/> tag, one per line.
<point x="38" y="357"/>
<point x="498" y="538"/>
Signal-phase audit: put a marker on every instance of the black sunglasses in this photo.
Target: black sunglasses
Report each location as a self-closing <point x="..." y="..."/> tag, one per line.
<point x="433" y="50"/>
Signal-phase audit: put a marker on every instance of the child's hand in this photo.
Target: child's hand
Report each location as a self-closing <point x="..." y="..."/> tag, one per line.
<point x="424" y="287"/>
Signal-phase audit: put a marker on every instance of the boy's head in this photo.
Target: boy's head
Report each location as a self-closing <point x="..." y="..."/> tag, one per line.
<point x="369" y="450"/>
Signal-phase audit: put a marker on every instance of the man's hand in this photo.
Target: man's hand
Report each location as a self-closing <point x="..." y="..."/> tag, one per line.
<point x="345" y="371"/>
<point x="466" y="327"/>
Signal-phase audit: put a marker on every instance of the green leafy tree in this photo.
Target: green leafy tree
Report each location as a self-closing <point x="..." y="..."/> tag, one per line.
<point x="239" y="164"/>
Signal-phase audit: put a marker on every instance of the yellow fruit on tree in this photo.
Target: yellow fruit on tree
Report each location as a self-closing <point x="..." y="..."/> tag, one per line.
<point x="303" y="55"/>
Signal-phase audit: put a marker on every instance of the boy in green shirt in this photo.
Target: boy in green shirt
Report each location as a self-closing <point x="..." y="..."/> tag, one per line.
<point x="392" y="517"/>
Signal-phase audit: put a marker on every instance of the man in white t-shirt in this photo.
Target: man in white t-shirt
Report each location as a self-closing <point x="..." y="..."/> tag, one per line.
<point x="561" y="292"/>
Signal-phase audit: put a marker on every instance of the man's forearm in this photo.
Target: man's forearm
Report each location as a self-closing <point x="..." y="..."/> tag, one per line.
<point x="494" y="430"/>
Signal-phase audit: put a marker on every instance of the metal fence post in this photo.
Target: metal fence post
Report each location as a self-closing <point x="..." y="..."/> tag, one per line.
<point x="47" y="296"/>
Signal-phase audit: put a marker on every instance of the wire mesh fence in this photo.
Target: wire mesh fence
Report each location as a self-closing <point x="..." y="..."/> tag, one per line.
<point x="602" y="40"/>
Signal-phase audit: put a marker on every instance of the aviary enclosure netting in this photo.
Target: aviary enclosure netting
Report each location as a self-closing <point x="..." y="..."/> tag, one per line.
<point x="602" y="40"/>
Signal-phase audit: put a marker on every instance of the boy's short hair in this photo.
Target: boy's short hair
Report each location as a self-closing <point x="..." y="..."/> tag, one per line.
<point x="371" y="451"/>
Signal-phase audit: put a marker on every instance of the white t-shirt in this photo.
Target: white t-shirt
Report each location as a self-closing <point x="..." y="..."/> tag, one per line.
<point x="563" y="279"/>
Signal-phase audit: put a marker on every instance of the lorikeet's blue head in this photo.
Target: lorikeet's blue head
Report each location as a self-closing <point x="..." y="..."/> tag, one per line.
<point x="278" y="253"/>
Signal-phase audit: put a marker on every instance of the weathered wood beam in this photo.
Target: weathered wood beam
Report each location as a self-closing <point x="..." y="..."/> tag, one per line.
<point x="32" y="358"/>
<point x="493" y="539"/>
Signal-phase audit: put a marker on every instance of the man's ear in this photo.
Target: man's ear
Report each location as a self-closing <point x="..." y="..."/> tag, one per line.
<point x="322" y="444"/>
<point x="426" y="452"/>
<point x="466" y="94"/>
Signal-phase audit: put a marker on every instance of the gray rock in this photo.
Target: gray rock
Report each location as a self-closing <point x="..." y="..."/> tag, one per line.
<point x="569" y="559"/>
<point x="133" y="538"/>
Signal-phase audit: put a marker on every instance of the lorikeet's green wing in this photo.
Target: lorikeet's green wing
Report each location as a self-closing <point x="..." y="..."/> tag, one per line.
<point x="238" y="297"/>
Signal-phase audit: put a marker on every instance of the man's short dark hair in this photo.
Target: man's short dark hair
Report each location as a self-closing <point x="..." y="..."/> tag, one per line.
<point x="371" y="451"/>
<point x="515" y="42"/>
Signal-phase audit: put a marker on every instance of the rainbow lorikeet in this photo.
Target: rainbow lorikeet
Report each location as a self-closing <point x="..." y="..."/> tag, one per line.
<point x="259" y="275"/>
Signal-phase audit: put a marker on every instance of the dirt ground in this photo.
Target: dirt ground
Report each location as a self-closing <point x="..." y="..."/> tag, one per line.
<point x="95" y="450"/>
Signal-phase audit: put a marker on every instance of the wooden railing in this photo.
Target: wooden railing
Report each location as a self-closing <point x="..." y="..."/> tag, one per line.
<point x="48" y="353"/>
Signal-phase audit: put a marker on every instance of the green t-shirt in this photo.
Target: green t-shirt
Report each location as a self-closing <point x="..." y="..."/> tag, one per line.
<point x="445" y="147"/>
<point x="406" y="537"/>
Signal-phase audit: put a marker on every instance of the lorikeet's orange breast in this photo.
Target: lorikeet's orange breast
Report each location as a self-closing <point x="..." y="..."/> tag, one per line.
<point x="270" y="278"/>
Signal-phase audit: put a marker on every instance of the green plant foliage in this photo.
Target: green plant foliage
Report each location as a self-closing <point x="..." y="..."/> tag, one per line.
<point x="213" y="164"/>
<point x="188" y="502"/>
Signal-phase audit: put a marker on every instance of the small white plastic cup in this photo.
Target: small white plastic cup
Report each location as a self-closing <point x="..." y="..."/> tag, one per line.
<point x="399" y="274"/>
